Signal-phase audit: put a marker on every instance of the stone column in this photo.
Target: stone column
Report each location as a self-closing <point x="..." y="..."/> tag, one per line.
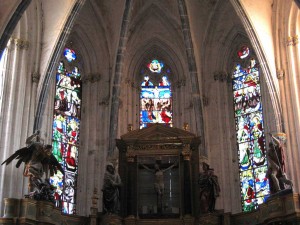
<point x="94" y="208"/>
<point x="187" y="187"/>
<point x="131" y="185"/>
<point x="13" y="126"/>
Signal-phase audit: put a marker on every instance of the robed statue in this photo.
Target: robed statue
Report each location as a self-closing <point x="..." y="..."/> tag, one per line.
<point x="111" y="190"/>
<point x="209" y="189"/>
<point x="38" y="160"/>
<point x="276" y="166"/>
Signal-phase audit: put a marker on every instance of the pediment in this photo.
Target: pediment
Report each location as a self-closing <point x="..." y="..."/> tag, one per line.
<point x="158" y="133"/>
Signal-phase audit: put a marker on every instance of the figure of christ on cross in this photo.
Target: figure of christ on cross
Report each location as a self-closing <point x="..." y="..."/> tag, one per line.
<point x="159" y="186"/>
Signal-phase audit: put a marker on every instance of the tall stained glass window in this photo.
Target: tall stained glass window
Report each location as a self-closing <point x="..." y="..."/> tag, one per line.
<point x="156" y="95"/>
<point x="66" y="123"/>
<point x="250" y="131"/>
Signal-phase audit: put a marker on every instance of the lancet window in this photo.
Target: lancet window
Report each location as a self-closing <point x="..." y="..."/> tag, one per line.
<point x="155" y="95"/>
<point x="248" y="112"/>
<point x="66" y="124"/>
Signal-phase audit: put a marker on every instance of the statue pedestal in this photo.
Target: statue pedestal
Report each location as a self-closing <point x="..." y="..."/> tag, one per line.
<point x="111" y="220"/>
<point x="29" y="211"/>
<point x="210" y="219"/>
<point x="11" y="208"/>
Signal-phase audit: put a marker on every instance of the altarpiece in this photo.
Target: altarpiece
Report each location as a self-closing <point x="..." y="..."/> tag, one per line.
<point x="159" y="168"/>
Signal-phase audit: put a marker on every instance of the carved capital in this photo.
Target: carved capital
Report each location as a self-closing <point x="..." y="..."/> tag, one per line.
<point x="186" y="126"/>
<point x="221" y="76"/>
<point x="280" y="74"/>
<point x="130" y="154"/>
<point x="129" y="127"/>
<point x="35" y="77"/>
<point x="104" y="102"/>
<point x="20" y="43"/>
<point x="186" y="152"/>
<point x="292" y="40"/>
<point x="181" y="83"/>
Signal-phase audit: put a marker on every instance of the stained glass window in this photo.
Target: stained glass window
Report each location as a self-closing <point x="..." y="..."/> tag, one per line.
<point x="250" y="132"/>
<point x="66" y="123"/>
<point x="156" y="95"/>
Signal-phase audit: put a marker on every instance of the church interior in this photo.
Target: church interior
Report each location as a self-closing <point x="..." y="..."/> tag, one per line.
<point x="162" y="96"/>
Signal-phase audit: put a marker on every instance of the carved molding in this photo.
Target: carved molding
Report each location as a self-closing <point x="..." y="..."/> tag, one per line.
<point x="153" y="147"/>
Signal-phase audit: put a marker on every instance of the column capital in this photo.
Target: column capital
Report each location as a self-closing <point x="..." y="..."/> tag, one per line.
<point x="35" y="77"/>
<point x="20" y="43"/>
<point x="130" y="155"/>
<point x="186" y="152"/>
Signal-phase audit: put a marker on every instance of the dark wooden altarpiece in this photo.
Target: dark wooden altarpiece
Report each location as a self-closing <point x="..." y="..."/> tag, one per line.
<point x="175" y="151"/>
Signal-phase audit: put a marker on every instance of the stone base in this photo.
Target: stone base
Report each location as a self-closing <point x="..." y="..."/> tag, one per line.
<point x="283" y="208"/>
<point x="29" y="211"/>
<point x="111" y="220"/>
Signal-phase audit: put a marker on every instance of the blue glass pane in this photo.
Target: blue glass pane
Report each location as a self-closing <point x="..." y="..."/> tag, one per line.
<point x="70" y="54"/>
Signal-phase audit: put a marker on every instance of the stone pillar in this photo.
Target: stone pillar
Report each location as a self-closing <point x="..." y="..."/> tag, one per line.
<point x="94" y="208"/>
<point x="13" y="126"/>
<point x="187" y="188"/>
<point x="131" y="187"/>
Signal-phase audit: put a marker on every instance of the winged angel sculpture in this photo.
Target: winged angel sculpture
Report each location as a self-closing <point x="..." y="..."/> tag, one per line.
<point x="38" y="159"/>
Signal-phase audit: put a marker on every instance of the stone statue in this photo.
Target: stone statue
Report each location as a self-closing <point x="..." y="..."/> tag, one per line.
<point x="111" y="193"/>
<point x="38" y="159"/>
<point x="209" y="189"/>
<point x="276" y="166"/>
<point x="159" y="185"/>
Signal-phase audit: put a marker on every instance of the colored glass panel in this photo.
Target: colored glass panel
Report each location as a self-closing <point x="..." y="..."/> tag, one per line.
<point x="66" y="126"/>
<point x="250" y="133"/>
<point x="155" y="97"/>
<point x="155" y="66"/>
<point x="70" y="54"/>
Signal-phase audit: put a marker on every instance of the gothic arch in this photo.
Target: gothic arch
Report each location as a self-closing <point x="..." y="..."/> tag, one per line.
<point x="156" y="48"/>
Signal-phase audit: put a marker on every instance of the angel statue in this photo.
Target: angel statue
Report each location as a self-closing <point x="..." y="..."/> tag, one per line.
<point x="38" y="159"/>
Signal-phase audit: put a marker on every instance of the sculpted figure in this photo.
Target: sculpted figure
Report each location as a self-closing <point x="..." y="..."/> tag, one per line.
<point x="38" y="159"/>
<point x="111" y="192"/>
<point x="159" y="177"/>
<point x="276" y="166"/>
<point x="159" y="185"/>
<point x="209" y="189"/>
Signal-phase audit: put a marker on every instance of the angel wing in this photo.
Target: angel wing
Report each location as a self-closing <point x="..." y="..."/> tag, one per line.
<point x="39" y="153"/>
<point x="22" y="155"/>
<point x="52" y="164"/>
